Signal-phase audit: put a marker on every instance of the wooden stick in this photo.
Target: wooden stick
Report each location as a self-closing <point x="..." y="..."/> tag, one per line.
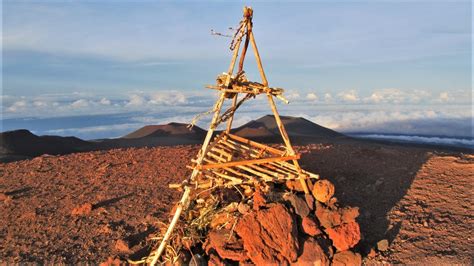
<point x="231" y="118"/>
<point x="286" y="139"/>
<point x="259" y="174"/>
<point x="187" y="190"/>
<point x="247" y="162"/>
<point x="257" y="55"/>
<point x="256" y="144"/>
<point x="244" y="49"/>
<point x="181" y="204"/>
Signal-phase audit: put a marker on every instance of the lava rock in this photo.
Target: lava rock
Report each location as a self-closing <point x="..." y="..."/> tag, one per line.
<point x="122" y="246"/>
<point x="259" y="200"/>
<point x="327" y="218"/>
<point x="310" y="226"/>
<point x="323" y="190"/>
<point x="344" y="236"/>
<point x="270" y="235"/>
<point x="84" y="209"/>
<point x="225" y="243"/>
<point x="346" y="258"/>
<point x="313" y="254"/>
<point x="299" y="205"/>
<point x="382" y="245"/>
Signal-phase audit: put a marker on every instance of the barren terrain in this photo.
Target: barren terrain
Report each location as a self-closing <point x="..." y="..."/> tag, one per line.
<point x="87" y="207"/>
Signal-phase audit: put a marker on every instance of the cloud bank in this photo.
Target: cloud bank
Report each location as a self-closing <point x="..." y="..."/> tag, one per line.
<point x="387" y="111"/>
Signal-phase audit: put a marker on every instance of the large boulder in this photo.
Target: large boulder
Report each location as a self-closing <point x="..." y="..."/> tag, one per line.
<point x="270" y="236"/>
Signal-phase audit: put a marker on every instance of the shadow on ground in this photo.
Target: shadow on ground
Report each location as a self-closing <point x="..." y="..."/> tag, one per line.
<point x="372" y="177"/>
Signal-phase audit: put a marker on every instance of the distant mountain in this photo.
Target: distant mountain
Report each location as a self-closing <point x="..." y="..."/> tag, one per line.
<point x="20" y="144"/>
<point x="300" y="130"/>
<point x="24" y="143"/>
<point x="168" y="130"/>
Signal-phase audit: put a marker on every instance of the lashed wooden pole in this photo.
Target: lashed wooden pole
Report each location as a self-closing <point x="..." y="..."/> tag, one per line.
<point x="247" y="16"/>
<point x="280" y="125"/>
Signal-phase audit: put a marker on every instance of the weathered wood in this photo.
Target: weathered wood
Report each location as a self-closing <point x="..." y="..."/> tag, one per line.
<point x="247" y="162"/>
<point x="244" y="49"/>
<point x="181" y="205"/>
<point x="256" y="144"/>
<point x="231" y="118"/>
<point x="257" y="55"/>
<point x="286" y="139"/>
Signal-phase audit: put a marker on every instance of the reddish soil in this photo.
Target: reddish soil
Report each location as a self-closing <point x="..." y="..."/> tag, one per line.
<point x="87" y="207"/>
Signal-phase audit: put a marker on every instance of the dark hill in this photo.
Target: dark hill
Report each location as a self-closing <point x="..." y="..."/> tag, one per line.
<point x="168" y="130"/>
<point x="24" y="143"/>
<point x="299" y="129"/>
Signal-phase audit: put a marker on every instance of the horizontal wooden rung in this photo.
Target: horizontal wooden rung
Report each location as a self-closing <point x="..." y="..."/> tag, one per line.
<point x="249" y="162"/>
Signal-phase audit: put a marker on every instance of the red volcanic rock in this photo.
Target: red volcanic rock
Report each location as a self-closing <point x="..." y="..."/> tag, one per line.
<point x="344" y="236"/>
<point x="313" y="254"/>
<point x="309" y="201"/>
<point x="299" y="205"/>
<point x="122" y="246"/>
<point x="327" y="218"/>
<point x="259" y="200"/>
<point x="227" y="248"/>
<point x="215" y="260"/>
<point x="270" y="236"/>
<point x="323" y="190"/>
<point x="349" y="214"/>
<point x="294" y="185"/>
<point x="111" y="262"/>
<point x="310" y="226"/>
<point x="84" y="209"/>
<point x="346" y="258"/>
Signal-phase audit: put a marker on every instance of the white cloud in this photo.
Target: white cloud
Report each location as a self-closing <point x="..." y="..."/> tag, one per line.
<point x="292" y="95"/>
<point x="17" y="106"/>
<point x="398" y="96"/>
<point x="349" y="96"/>
<point x="40" y="103"/>
<point x="312" y="96"/>
<point x="105" y="101"/>
<point x="449" y="122"/>
<point x="327" y="97"/>
<point x="81" y="103"/>
<point x="135" y="100"/>
<point x="168" y="98"/>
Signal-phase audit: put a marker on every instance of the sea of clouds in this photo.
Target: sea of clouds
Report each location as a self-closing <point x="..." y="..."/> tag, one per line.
<point x="384" y="112"/>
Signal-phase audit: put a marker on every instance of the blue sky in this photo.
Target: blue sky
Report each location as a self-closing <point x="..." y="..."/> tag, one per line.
<point x="352" y="65"/>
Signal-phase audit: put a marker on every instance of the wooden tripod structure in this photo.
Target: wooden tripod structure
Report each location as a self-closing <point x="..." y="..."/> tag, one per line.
<point x="228" y="160"/>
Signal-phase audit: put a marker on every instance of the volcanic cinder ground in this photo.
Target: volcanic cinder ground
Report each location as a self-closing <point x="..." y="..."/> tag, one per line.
<point x="418" y="199"/>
